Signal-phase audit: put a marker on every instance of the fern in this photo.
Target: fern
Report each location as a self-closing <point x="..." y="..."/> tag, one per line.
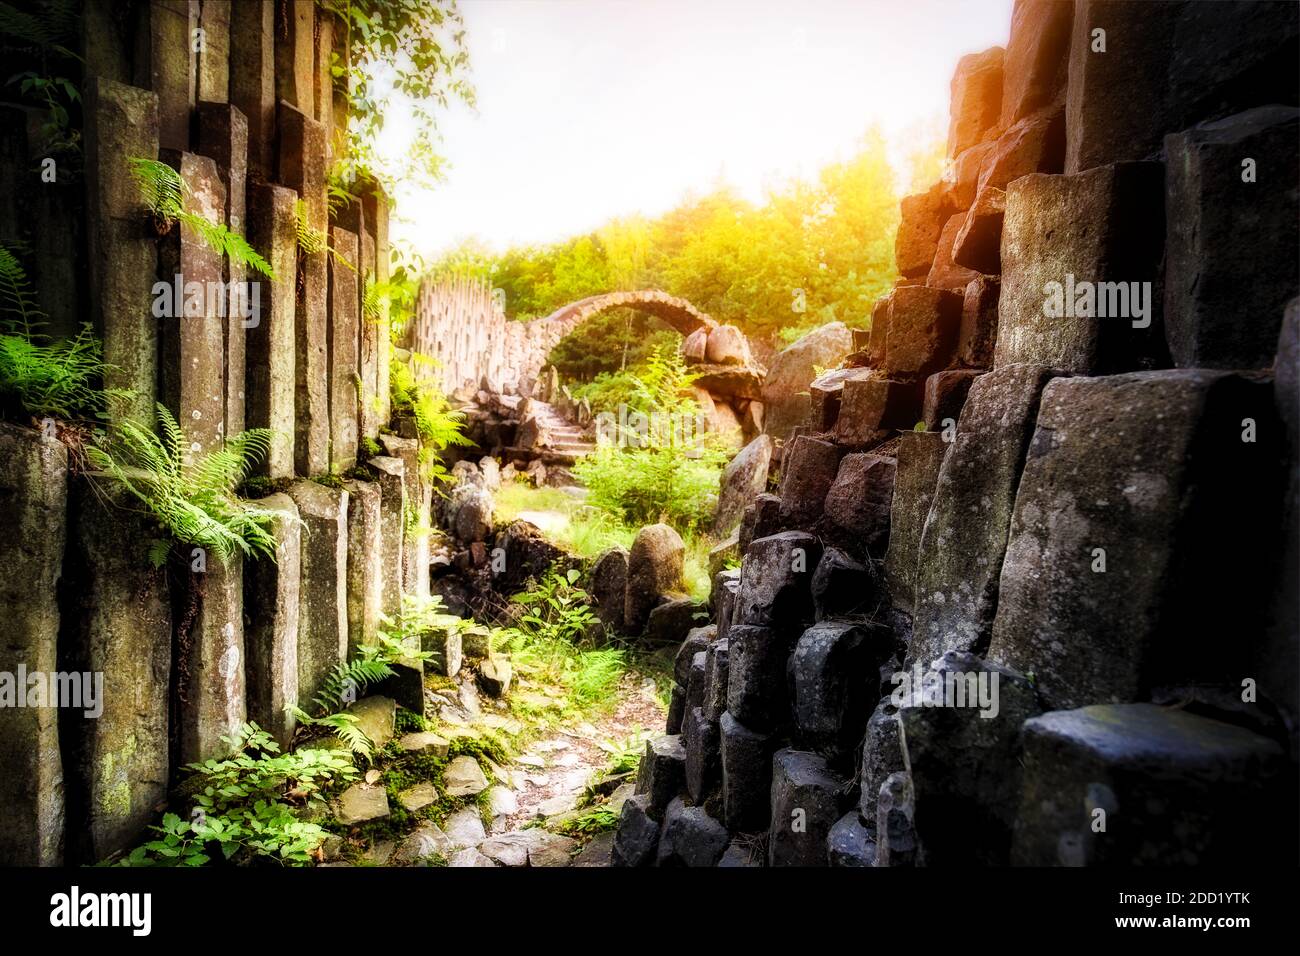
<point x="163" y="190"/>
<point x="354" y="676"/>
<point x="16" y="298"/>
<point x="311" y="240"/>
<point x="193" y="500"/>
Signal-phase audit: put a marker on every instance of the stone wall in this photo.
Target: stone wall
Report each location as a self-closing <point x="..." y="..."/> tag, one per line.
<point x="1093" y="534"/>
<point x="186" y="653"/>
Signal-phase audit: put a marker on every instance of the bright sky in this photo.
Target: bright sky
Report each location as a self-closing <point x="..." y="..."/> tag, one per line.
<point x="590" y="109"/>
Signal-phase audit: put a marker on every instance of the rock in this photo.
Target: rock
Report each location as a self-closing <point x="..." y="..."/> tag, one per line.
<point x="1034" y="65"/>
<point x="423" y="742"/>
<point x="476" y="641"/>
<point x="725" y="594"/>
<point x="695" y="346"/>
<point x="756" y="692"/>
<point x="421" y="844"/>
<point x="746" y="775"/>
<point x="444" y="643"/>
<point x="494" y="676"/>
<point x="808" y="470"/>
<point x="502" y="802"/>
<point x="874" y="406"/>
<point x="598" y="851"/>
<point x="676" y="709"/>
<point x="744" y="477"/>
<point x="775" y="580"/>
<point x="703" y="754"/>
<point x="965" y="535"/>
<point x="739" y="854"/>
<point x="895" y="831"/>
<point x="945" y="273"/>
<point x="271" y="595"/>
<point x="978" y="242"/>
<point x="637" y="836"/>
<point x="922" y="219"/>
<point x="721" y="554"/>
<point x="842" y="586"/>
<point x="923" y="326"/>
<point x="608" y="586"/>
<point x="1223" y="306"/>
<point x="825" y="395"/>
<point x="960" y="730"/>
<point x="491" y="471"/>
<point x="1036" y="144"/>
<point x="464" y="778"/>
<point x="697" y="640"/>
<point x="849" y="843"/>
<point x="858" y="502"/>
<point x="976" y="103"/>
<point x="1105" y="229"/>
<point x="833" y="673"/>
<point x="920" y="456"/>
<point x="375" y="717"/>
<point x="322" y="595"/>
<point x="536" y="470"/>
<point x="945" y="394"/>
<point x="805" y="805"/>
<point x="690" y="837"/>
<point x="527" y="554"/>
<point x="471" y="513"/>
<point x="470" y="856"/>
<point x="1099" y="763"/>
<point x="727" y="345"/>
<point x="551" y="849"/>
<point x="695" y="681"/>
<point x="465" y="827"/>
<point x="785" y="402"/>
<point x="764" y="520"/>
<point x="961" y="178"/>
<point x="979" y="322"/>
<point x="466" y="472"/>
<point x="662" y="775"/>
<point x="528" y="847"/>
<point x="417" y="797"/>
<point x="882" y="754"/>
<point x="654" y="568"/>
<point x="730" y="382"/>
<point x="361" y="802"/>
<point x="1136" y="501"/>
<point x="669" y="622"/>
<point x="716" y="669"/>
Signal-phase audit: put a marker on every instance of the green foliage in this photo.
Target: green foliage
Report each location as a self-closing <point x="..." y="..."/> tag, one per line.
<point x="192" y="497"/>
<point x="47" y="38"/>
<point x="597" y="820"/>
<point x="437" y="423"/>
<point x="239" y="809"/>
<point x="163" y="190"/>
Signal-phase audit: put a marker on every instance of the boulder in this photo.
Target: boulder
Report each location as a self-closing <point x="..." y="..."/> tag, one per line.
<point x="806" y="799"/>
<point x="945" y="394"/>
<point x="858" y="502"/>
<point x="784" y="394"/>
<point x="807" y="473"/>
<point x="703" y="754"/>
<point x="874" y="406"/>
<point x="775" y="580"/>
<point x="961" y="178"/>
<point x="465" y="827"/>
<point x="976" y="103"/>
<point x="654" y="568"/>
<point x="746" y="774"/>
<point x="1140" y="785"/>
<point x="850" y="843"/>
<point x="695" y="346"/>
<point x="965" y="534"/>
<point x="922" y="217"/>
<point x="1034" y="65"/>
<point x="690" y="837"/>
<point x="470" y="510"/>
<point x="662" y="775"/>
<point x="361" y="802"/>
<point x="637" y="837"/>
<point x="1102" y="524"/>
<point x="494" y="676"/>
<point x="608" y="586"/>
<point x="979" y="322"/>
<point x="464" y="778"/>
<point x="1223" y="301"/>
<point x="923" y="326"/>
<point x="842" y="586"/>
<point x="882" y="755"/>
<point x="421" y="844"/>
<point x="945" y="272"/>
<point x="670" y="621"/>
<point x="1081" y="261"/>
<point x="825" y="394"/>
<point x="920" y="456"/>
<point x="727" y="345"/>
<point x="978" y="243"/>
<point x="833" y="673"/>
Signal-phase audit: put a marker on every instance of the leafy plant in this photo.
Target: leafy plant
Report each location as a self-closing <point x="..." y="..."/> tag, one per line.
<point x="312" y="240"/>
<point x="48" y="37"/>
<point x="164" y="190"/>
<point x="193" y="498"/>
<point x="597" y="820"/>
<point x="437" y="423"/>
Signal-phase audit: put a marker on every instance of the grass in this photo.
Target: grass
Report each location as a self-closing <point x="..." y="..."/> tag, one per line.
<point x="587" y="532"/>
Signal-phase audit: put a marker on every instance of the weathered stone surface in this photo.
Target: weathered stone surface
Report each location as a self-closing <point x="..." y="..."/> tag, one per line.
<point x="322" y="604"/>
<point x="945" y="394"/>
<point x="695" y="346"/>
<point x="727" y="345"/>
<point x="424" y="742"/>
<point x="1091" y="483"/>
<point x="1037" y="54"/>
<point x="670" y="621"/>
<point x="271" y="601"/>
<point x="703" y="755"/>
<point x="808" y="471"/>
<point x="696" y="642"/>
<point x="470" y="510"/>
<point x="213" y="690"/>
<point x="116" y="764"/>
<point x="746" y="775"/>
<point x="960" y="730"/>
<point x="879" y="330"/>
<point x="464" y="778"/>
<point x="850" y="843"/>
<point x="873" y="406"/>
<point x="1175" y="790"/>
<point x="470" y="856"/>
<point x="1223" y="302"/>
<point x="978" y="242"/>
<point x="295" y="54"/>
<point x="494" y="676"/>
<point x="419" y="498"/>
<point x="690" y="837"/>
<point x="638" y="834"/>
<point x="945" y="272"/>
<point x="464" y="828"/>
<point x="269" y="351"/>
<point x="895" y="831"/>
<point x="756" y="675"/>
<point x="785" y="402"/>
<point x="842" y="586"/>
<point x="979" y="323"/>
<point x="922" y="219"/>
<point x="726" y="588"/>
<point x="833" y="674"/>
<point x="365" y="590"/>
<point x="361" y="802"/>
<point x="252" y="79"/>
<point x="882" y="754"/>
<point x="608" y="586"/>
<point x="923" y="326"/>
<point x="961" y="178"/>
<point x="976" y="99"/>
<point x="446" y="644"/>
<point x="421" y="844"/>
<point x="805" y="805"/>
<point x="418" y="797"/>
<point x="676" y="709"/>
<point x="825" y="394"/>
<point x="775" y="580"/>
<point x="740" y="854"/>
<point x="723" y="553"/>
<point x="166" y="62"/>
<point x="858" y="502"/>
<point x="343" y="340"/>
<point x="965" y="535"/>
<point x="662" y="775"/>
<point x="1035" y="144"/>
<point x="654" y="568"/>
<point x="389" y="474"/>
<point x="764" y="519"/>
<point x="1099" y="232"/>
<point x="920" y="456"/>
<point x="744" y="477"/>
<point x="716" y="669"/>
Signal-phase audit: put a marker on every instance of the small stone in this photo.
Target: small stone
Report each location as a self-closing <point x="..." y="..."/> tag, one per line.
<point x="361" y="802"/>
<point x="417" y="797"/>
<point x="464" y="778"/>
<point x="465" y="828"/>
<point x="424" y="742"/>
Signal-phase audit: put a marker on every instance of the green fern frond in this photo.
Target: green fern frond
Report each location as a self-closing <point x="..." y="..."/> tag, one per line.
<point x="16" y="296"/>
<point x="355" y="675"/>
<point x="161" y="188"/>
<point x="232" y="245"/>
